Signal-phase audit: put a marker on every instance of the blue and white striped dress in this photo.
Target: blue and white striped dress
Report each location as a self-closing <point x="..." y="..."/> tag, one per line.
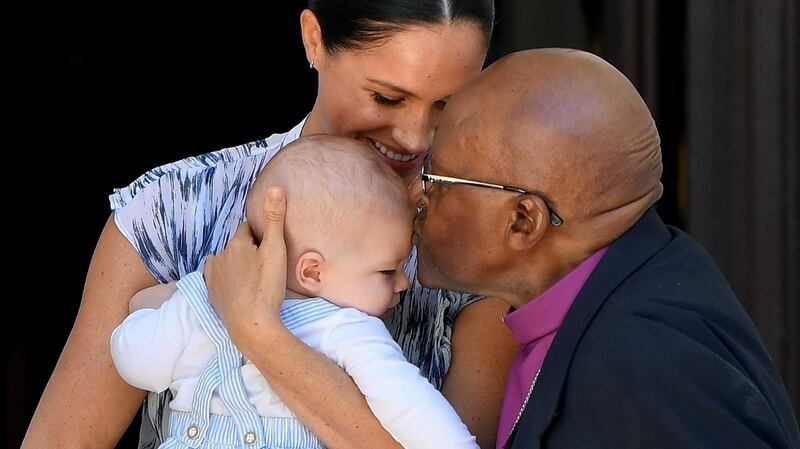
<point x="177" y="214"/>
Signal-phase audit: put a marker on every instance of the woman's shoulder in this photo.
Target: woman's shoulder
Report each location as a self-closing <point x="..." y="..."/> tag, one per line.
<point x="226" y="163"/>
<point x="177" y="214"/>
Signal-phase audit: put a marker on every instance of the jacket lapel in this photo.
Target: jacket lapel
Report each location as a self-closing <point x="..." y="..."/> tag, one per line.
<point x="626" y="255"/>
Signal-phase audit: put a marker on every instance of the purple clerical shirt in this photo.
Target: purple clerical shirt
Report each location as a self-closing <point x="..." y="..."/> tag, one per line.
<point x="534" y="326"/>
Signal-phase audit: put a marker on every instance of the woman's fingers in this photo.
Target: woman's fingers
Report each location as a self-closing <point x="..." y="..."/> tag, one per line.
<point x="247" y="282"/>
<point x="230" y="273"/>
<point x="272" y="249"/>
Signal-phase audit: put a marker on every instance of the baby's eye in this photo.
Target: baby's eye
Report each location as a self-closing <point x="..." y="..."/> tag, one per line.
<point x="387" y="272"/>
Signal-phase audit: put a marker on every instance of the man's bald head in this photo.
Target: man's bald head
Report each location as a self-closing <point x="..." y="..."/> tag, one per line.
<point x="561" y="124"/>
<point x="569" y="125"/>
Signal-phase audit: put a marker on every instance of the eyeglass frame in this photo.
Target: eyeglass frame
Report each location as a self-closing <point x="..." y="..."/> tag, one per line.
<point x="424" y="177"/>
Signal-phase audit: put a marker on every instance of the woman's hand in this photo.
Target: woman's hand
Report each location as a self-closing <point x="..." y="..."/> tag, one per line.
<point x="247" y="281"/>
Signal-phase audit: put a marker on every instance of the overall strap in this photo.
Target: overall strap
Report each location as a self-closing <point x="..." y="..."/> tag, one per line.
<point x="224" y="373"/>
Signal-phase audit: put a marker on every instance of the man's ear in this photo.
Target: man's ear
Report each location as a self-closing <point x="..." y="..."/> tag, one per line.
<point x="308" y="271"/>
<point x="527" y="223"/>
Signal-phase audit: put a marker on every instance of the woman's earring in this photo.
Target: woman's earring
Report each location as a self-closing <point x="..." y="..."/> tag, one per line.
<point x="311" y="65"/>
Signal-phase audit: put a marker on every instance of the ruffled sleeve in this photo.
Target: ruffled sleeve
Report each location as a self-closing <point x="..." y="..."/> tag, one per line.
<point x="177" y="214"/>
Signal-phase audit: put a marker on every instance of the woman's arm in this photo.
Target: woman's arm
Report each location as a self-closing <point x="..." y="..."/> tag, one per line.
<point x="320" y="393"/>
<point x="86" y="404"/>
<point x="251" y="280"/>
<point x="406" y="403"/>
<point x="483" y="350"/>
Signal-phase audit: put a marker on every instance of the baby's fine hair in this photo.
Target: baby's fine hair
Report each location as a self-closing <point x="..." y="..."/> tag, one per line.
<point x="334" y="186"/>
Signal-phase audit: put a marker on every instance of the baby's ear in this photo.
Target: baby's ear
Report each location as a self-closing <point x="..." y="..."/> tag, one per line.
<point x="308" y="271"/>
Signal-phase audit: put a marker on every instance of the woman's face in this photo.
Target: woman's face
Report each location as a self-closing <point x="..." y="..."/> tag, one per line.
<point x="390" y="96"/>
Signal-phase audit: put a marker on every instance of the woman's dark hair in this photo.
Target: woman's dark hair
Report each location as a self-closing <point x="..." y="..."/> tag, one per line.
<point x="358" y="24"/>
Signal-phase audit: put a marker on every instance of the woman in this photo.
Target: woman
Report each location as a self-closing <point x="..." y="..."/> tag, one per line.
<point x="386" y="69"/>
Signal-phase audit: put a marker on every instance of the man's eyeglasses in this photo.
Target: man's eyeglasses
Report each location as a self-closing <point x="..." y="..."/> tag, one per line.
<point x="428" y="180"/>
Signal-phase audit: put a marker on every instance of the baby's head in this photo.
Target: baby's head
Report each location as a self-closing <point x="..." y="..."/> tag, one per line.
<point x="348" y="222"/>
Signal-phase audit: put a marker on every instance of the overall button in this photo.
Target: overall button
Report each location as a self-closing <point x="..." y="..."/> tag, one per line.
<point x="250" y="437"/>
<point x="192" y="432"/>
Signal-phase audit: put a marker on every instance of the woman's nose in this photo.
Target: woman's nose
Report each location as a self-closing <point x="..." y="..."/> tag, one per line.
<point x="415" y="133"/>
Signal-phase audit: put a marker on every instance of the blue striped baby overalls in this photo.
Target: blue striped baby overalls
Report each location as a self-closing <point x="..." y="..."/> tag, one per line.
<point x="243" y="428"/>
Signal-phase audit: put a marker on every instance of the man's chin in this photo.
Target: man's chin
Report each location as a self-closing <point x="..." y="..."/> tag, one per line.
<point x="428" y="273"/>
<point x="426" y="280"/>
<point x="430" y="277"/>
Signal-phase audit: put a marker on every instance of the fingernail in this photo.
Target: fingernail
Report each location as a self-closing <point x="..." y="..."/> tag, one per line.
<point x="275" y="195"/>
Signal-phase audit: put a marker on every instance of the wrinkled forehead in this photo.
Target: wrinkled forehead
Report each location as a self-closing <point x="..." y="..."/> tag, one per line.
<point x="469" y="145"/>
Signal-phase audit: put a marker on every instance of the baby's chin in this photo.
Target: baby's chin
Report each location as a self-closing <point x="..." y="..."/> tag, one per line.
<point x="387" y="316"/>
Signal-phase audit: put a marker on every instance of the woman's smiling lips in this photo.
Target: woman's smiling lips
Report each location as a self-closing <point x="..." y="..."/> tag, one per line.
<point x="399" y="162"/>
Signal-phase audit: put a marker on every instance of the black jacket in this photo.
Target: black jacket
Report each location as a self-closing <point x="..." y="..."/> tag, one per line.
<point x="657" y="352"/>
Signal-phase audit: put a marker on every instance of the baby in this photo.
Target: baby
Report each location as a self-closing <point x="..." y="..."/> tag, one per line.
<point x="348" y="235"/>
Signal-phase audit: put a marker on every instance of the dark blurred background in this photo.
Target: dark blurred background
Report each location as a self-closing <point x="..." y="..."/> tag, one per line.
<point x="119" y="92"/>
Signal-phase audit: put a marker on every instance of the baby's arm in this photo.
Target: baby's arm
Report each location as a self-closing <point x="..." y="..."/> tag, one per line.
<point x="152" y="297"/>
<point x="406" y="404"/>
<point x="147" y="345"/>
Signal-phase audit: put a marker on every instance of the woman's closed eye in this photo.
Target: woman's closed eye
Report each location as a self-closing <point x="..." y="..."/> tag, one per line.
<point x="388" y="272"/>
<point x="385" y="100"/>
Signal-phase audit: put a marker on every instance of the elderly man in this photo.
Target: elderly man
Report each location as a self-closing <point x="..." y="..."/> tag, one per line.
<point x="539" y="191"/>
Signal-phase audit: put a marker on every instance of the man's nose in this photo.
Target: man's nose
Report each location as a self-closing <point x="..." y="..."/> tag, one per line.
<point x="416" y="194"/>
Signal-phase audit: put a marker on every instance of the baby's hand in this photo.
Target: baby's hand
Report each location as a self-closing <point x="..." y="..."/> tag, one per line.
<point x="152" y="297"/>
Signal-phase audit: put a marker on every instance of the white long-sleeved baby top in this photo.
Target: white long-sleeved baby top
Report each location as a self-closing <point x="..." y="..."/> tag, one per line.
<point x="219" y="397"/>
